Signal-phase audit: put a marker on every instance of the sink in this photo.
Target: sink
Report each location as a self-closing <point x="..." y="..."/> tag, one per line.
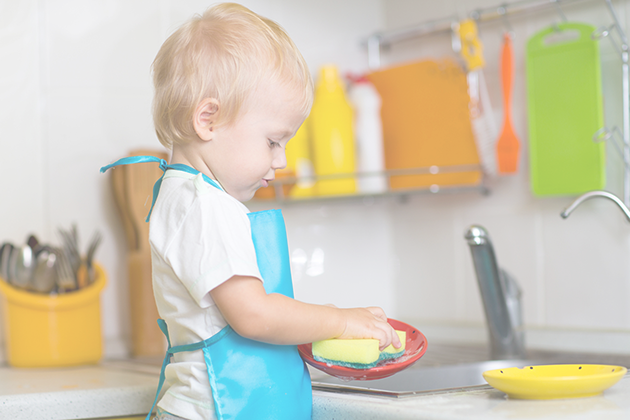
<point x="425" y="380"/>
<point x="433" y="376"/>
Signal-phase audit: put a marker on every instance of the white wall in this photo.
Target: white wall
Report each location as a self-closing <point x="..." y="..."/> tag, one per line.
<point x="76" y="93"/>
<point x="410" y="256"/>
<point x="574" y="273"/>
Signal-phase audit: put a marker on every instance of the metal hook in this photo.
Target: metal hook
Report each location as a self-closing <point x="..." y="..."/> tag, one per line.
<point x="603" y="32"/>
<point x="604" y="135"/>
<point x="559" y="10"/>
<point x="456" y="41"/>
<point x="374" y="51"/>
<point x="502" y="11"/>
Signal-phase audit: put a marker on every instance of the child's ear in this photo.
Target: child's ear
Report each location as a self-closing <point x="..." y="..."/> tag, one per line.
<point x="204" y="117"/>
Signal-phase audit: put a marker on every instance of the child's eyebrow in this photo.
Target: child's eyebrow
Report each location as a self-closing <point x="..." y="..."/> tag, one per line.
<point x="283" y="133"/>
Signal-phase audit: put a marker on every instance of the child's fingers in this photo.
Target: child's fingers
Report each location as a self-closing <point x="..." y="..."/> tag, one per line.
<point x="370" y="322"/>
<point x="396" y="341"/>
<point x="378" y="312"/>
<point x="384" y="343"/>
<point x="389" y="336"/>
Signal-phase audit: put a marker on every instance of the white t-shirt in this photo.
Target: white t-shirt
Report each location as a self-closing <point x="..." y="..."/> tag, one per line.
<point x="200" y="237"/>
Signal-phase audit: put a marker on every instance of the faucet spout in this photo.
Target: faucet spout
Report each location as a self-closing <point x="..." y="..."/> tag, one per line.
<point x="593" y="194"/>
<point x="501" y="298"/>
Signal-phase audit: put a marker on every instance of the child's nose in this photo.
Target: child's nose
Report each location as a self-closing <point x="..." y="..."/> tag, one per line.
<point x="279" y="161"/>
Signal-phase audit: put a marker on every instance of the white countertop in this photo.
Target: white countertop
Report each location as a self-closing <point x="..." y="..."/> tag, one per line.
<point x="482" y="403"/>
<point x="128" y="388"/>
<point x="74" y="393"/>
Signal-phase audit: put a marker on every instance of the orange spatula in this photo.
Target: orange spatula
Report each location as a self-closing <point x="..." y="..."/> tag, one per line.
<point x="508" y="144"/>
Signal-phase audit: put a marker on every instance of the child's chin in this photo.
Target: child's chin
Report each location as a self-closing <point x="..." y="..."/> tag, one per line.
<point x="246" y="197"/>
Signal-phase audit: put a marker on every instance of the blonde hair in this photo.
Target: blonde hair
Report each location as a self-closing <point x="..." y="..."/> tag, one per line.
<point x="223" y="54"/>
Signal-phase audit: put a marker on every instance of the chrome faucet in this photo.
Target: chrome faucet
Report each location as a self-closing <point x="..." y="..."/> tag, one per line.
<point x="501" y="298"/>
<point x="592" y="194"/>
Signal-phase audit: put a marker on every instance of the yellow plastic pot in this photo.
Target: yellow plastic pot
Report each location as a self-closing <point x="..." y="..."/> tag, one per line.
<point x="53" y="330"/>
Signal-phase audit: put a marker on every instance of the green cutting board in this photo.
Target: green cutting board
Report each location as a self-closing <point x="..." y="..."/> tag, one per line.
<point x="564" y="94"/>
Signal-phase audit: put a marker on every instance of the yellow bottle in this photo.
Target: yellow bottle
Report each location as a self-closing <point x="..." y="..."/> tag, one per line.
<point x="332" y="135"/>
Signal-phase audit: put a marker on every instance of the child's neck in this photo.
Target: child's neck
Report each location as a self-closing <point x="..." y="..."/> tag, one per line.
<point x="185" y="156"/>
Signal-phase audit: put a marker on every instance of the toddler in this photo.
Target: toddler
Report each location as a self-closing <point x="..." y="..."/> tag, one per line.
<point x="231" y="89"/>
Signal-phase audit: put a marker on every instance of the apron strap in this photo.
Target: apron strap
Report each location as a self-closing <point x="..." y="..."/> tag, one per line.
<point x="163" y="166"/>
<point x="143" y="159"/>
<point x="129" y="160"/>
<point x="178" y="349"/>
<point x="167" y="360"/>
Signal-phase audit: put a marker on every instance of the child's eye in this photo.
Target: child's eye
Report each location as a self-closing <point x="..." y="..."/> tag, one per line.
<point x="273" y="144"/>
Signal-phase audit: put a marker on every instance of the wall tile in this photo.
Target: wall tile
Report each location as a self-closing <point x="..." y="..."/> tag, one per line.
<point x="77" y="94"/>
<point x="427" y="283"/>
<point x="586" y="268"/>
<point x="555" y="262"/>
<point x="349" y="242"/>
<point x="102" y="44"/>
<point x="22" y="161"/>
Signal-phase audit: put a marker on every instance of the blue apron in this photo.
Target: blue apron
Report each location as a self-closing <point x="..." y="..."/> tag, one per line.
<point x="249" y="379"/>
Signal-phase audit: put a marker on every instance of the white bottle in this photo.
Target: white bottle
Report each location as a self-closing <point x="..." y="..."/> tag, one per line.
<point x="368" y="130"/>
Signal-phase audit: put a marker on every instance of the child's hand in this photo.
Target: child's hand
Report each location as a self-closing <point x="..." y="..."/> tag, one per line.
<point x="369" y="322"/>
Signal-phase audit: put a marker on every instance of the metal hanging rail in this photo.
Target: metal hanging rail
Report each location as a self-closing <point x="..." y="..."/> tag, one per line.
<point x="376" y="41"/>
<point x="622" y="50"/>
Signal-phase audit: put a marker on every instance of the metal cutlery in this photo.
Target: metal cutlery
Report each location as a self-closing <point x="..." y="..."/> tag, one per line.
<point x="22" y="267"/>
<point x="33" y="242"/>
<point x="48" y="269"/>
<point x="70" y="247"/>
<point x="5" y="257"/>
<point x="45" y="274"/>
<point x="89" y="259"/>
<point x="66" y="277"/>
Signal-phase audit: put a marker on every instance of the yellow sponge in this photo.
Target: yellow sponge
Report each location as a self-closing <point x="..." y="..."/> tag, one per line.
<point x="357" y="353"/>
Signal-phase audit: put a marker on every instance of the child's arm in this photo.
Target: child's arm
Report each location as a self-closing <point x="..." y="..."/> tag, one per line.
<point x="277" y="319"/>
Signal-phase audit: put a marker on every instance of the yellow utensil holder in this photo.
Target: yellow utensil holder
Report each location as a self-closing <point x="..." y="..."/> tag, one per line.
<point x="53" y="330"/>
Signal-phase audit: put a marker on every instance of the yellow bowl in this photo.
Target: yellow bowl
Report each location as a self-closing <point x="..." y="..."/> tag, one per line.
<point x="548" y="382"/>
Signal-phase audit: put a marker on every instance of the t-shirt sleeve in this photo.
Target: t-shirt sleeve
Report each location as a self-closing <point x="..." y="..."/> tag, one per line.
<point x="213" y="244"/>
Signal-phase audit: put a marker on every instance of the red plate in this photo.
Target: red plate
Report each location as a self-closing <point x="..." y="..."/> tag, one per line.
<point x="415" y="347"/>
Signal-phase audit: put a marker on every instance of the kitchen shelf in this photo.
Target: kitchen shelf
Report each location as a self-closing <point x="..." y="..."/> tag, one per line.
<point x="279" y="183"/>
